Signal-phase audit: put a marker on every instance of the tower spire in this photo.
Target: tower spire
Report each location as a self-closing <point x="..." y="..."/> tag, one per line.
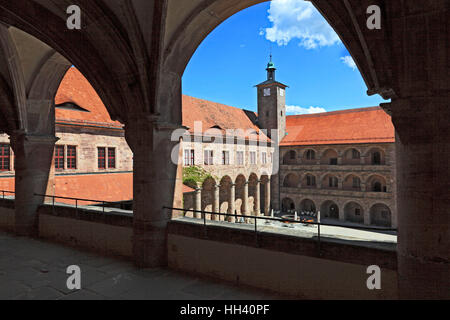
<point x="271" y="69"/>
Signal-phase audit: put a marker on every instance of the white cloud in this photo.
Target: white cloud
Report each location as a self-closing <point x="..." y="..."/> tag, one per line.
<point x="300" y="110"/>
<point x="297" y="19"/>
<point x="348" y="60"/>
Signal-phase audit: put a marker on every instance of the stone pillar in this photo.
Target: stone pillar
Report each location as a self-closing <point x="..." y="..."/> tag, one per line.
<point x="231" y="206"/>
<point x="155" y="160"/>
<point x="245" y="199"/>
<point x="33" y="168"/>
<point x="216" y="202"/>
<point x="267" y="199"/>
<point x="257" y="198"/>
<point x="423" y="202"/>
<point x="198" y="202"/>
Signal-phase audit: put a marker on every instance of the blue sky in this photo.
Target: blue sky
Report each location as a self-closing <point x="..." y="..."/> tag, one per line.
<point x="308" y="54"/>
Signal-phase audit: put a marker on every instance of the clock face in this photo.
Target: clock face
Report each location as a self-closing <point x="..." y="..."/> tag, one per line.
<point x="266" y="92"/>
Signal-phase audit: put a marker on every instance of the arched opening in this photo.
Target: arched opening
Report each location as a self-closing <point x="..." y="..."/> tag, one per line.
<point x="287" y="204"/>
<point x="380" y="215"/>
<point x="307" y="205"/>
<point x="377" y="183"/>
<point x="352" y="183"/>
<point x="330" y="182"/>
<point x="239" y="195"/>
<point x="291" y="181"/>
<point x="329" y="157"/>
<point x="329" y="209"/>
<point x="309" y="157"/>
<point x="224" y="196"/>
<point x="208" y="188"/>
<point x="252" y="194"/>
<point x="376" y="157"/>
<point x="309" y="181"/>
<point x="352" y="157"/>
<point x="290" y="157"/>
<point x="354" y="212"/>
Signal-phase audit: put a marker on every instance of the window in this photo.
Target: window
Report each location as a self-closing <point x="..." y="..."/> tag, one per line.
<point x="310" y="181"/>
<point x="240" y="157"/>
<point x="376" y="158"/>
<point x="209" y="157"/>
<point x="292" y="155"/>
<point x="333" y="161"/>
<point x="333" y="182"/>
<point x="225" y="157"/>
<point x="189" y="157"/>
<point x="252" y="157"/>
<point x="357" y="212"/>
<point x="59" y="157"/>
<point x="4" y="157"/>
<point x="71" y="157"/>
<point x="111" y="158"/>
<point x="310" y="155"/>
<point x="101" y="158"/>
<point x="356" y="183"/>
<point x="356" y="154"/>
<point x="264" y="158"/>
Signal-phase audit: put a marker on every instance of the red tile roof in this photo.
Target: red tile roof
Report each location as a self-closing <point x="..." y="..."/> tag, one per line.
<point x="76" y="89"/>
<point x="110" y="187"/>
<point x="220" y="117"/>
<point x="365" y="125"/>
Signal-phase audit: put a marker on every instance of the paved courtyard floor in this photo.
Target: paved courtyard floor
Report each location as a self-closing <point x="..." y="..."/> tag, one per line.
<point x="34" y="269"/>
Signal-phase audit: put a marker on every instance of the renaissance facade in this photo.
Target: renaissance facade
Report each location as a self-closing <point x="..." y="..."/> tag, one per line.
<point x="234" y="161"/>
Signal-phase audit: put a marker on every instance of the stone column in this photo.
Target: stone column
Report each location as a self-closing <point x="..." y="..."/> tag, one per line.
<point x="198" y="202"/>
<point x="267" y="198"/>
<point x="423" y="202"/>
<point x="216" y="202"/>
<point x="155" y="161"/>
<point x="33" y="168"/>
<point x="245" y="199"/>
<point x="257" y="199"/>
<point x="231" y="205"/>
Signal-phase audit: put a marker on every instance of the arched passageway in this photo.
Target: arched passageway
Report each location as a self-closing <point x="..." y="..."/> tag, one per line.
<point x="307" y="205"/>
<point x="354" y="212"/>
<point x="329" y="209"/>
<point x="287" y="204"/>
<point x="380" y="215"/>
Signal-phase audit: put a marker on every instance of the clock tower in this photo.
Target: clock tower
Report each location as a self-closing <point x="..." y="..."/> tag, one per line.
<point x="272" y="104"/>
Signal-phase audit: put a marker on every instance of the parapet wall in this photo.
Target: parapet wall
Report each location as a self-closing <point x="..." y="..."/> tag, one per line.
<point x="280" y="263"/>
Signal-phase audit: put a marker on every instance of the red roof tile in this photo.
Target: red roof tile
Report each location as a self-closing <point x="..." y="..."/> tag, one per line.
<point x="76" y="89"/>
<point x="221" y="117"/>
<point x="365" y="125"/>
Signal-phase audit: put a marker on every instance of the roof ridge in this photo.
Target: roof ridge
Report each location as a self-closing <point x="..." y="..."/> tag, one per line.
<point x="331" y="113"/>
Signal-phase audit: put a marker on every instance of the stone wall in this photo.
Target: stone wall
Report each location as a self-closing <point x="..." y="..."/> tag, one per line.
<point x="293" y="186"/>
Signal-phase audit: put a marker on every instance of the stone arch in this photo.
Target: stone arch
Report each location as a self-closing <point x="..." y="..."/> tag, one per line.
<point x="352" y="182"/>
<point x="240" y="182"/>
<point x="309" y="156"/>
<point x="307" y="205"/>
<point x="330" y="181"/>
<point x="376" y="183"/>
<point x="352" y="156"/>
<point x="375" y="156"/>
<point x="329" y="209"/>
<point x="290" y="157"/>
<point x="291" y="180"/>
<point x="309" y="181"/>
<point x="381" y="215"/>
<point x="287" y="204"/>
<point x="354" y="212"/>
<point x="208" y="188"/>
<point x="224" y="195"/>
<point x="252" y="184"/>
<point x="329" y="157"/>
